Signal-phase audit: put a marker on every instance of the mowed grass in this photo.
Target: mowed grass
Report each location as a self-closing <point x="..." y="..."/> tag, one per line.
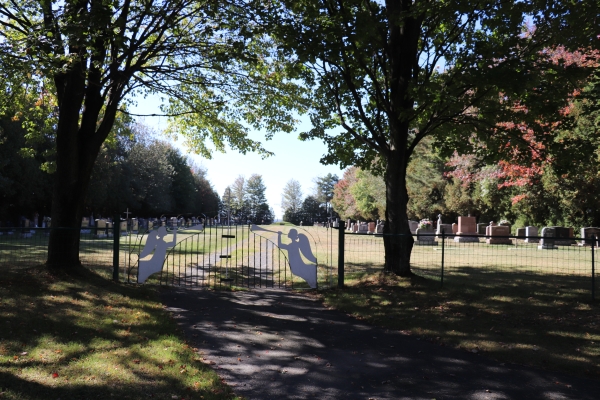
<point x="84" y="337"/>
<point x="538" y="321"/>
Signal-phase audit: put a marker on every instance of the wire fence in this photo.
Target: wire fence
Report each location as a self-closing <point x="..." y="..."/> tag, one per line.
<point x="234" y="256"/>
<point x="26" y="247"/>
<point x="508" y="260"/>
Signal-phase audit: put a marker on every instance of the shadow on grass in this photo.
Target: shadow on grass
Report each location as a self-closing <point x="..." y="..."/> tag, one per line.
<point x="543" y="320"/>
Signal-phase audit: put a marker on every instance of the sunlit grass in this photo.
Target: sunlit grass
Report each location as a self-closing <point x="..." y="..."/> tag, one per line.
<point x="85" y="337"/>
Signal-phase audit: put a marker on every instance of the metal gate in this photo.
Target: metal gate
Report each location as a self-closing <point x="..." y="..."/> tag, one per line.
<point x="229" y="256"/>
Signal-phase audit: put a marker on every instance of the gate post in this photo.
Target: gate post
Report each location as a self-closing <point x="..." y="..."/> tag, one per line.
<point x="116" y="241"/>
<point x="341" y="231"/>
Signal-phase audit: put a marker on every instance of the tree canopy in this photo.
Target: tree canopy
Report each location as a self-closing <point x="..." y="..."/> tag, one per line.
<point x="391" y="73"/>
<point x="210" y="61"/>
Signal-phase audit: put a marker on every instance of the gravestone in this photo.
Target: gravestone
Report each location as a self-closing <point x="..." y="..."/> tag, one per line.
<point x="413" y="225"/>
<point x="85" y="222"/>
<point x="467" y="230"/>
<point x="530" y="233"/>
<point x="101" y="229"/>
<point x="371" y="227"/>
<point x="488" y="229"/>
<point x="481" y="229"/>
<point x="348" y="225"/>
<point x="123" y="228"/>
<point x="495" y="232"/>
<point x="379" y="228"/>
<point x="520" y="234"/>
<point x="586" y="236"/>
<point x="150" y="225"/>
<point x="363" y="227"/>
<point x="548" y="242"/>
<point x="425" y="237"/>
<point x="564" y="236"/>
<point x="135" y="225"/>
<point x="355" y="227"/>
<point x="454" y="228"/>
<point x="447" y="228"/>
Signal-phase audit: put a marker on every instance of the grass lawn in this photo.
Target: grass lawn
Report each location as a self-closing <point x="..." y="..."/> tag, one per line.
<point x="86" y="337"/>
<point x="532" y="321"/>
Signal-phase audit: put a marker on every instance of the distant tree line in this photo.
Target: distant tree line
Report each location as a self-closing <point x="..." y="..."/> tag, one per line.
<point x="313" y="208"/>
<point x="244" y="201"/>
<point x="133" y="171"/>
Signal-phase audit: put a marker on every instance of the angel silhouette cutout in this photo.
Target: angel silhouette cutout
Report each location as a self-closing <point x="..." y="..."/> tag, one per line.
<point x="156" y="243"/>
<point x="300" y="246"/>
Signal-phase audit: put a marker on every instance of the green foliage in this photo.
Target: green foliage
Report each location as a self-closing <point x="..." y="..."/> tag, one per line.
<point x="425" y="183"/>
<point x="24" y="187"/>
<point x="291" y="198"/>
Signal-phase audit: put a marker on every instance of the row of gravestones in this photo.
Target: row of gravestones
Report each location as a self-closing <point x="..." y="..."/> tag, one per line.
<point x="103" y="227"/>
<point x="369" y="228"/>
<point x="467" y="230"/>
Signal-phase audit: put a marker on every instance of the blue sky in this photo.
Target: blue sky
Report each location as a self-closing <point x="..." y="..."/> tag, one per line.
<point x="293" y="159"/>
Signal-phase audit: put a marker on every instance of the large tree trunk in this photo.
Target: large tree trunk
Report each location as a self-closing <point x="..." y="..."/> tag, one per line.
<point x="78" y="142"/>
<point x="404" y="30"/>
<point x="397" y="238"/>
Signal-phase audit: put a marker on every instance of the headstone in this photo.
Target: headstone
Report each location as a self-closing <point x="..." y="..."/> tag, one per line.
<point x="413" y="225"/>
<point x="371" y="227"/>
<point x="496" y="232"/>
<point x="488" y="229"/>
<point x="530" y="233"/>
<point x="586" y="236"/>
<point x="123" y="228"/>
<point x="355" y="227"/>
<point x="101" y="228"/>
<point x="521" y="233"/>
<point x="564" y="236"/>
<point x="548" y="241"/>
<point x="425" y="237"/>
<point x="481" y="229"/>
<point x="363" y="227"/>
<point x="454" y="228"/>
<point x="348" y="224"/>
<point x="447" y="228"/>
<point x="135" y="225"/>
<point x="467" y="230"/>
<point x="379" y="228"/>
<point x="85" y="224"/>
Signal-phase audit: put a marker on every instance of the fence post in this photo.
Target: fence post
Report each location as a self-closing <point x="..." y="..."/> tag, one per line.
<point x="593" y="270"/>
<point x="341" y="232"/>
<point x="116" y="240"/>
<point x="443" y="245"/>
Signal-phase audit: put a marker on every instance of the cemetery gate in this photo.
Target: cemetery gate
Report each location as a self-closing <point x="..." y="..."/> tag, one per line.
<point x="240" y="256"/>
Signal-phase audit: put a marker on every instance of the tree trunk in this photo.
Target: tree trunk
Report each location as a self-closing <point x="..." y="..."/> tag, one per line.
<point x="397" y="238"/>
<point x="71" y="183"/>
<point x="403" y="39"/>
<point x="76" y="150"/>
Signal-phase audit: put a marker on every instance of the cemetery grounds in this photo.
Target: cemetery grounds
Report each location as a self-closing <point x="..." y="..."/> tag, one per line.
<point x="513" y="303"/>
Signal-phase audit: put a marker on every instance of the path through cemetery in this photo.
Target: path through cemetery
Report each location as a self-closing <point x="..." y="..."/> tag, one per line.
<point x="253" y="266"/>
<point x="277" y="344"/>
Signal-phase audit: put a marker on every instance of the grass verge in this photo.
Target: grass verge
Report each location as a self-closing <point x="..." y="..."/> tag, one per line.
<point x="547" y="326"/>
<point x="85" y="337"/>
